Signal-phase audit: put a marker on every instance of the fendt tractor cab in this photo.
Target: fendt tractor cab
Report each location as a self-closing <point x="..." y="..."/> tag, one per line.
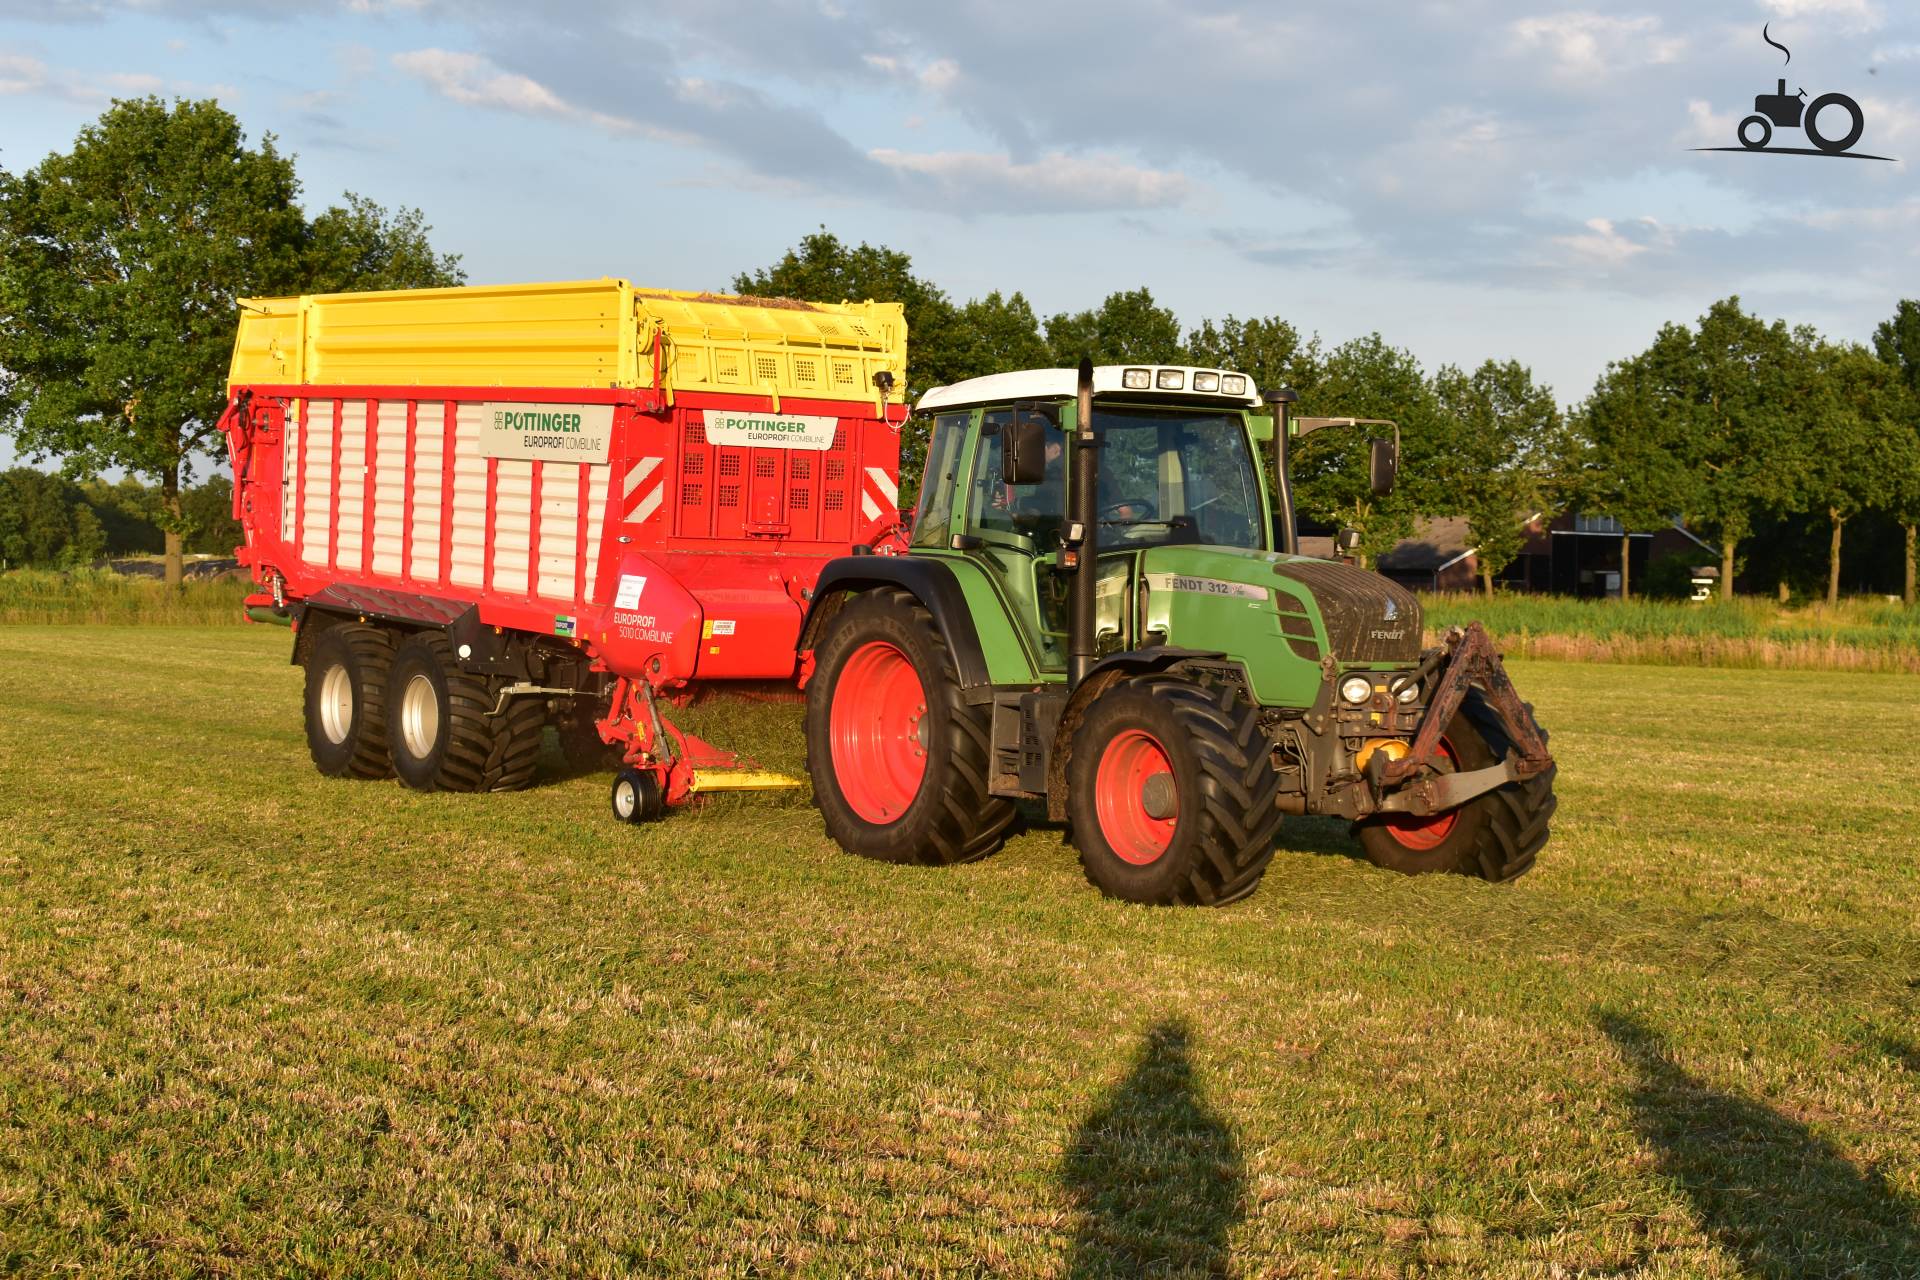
<point x="1103" y="608"/>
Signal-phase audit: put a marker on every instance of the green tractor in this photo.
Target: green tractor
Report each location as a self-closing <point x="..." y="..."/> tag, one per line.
<point x="1103" y="609"/>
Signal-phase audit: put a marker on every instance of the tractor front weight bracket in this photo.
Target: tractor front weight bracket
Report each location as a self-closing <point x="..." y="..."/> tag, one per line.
<point x="1471" y="660"/>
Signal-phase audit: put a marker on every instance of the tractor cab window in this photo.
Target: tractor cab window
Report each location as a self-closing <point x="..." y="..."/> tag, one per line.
<point x="1170" y="478"/>
<point x="1032" y="511"/>
<point x="934" y="510"/>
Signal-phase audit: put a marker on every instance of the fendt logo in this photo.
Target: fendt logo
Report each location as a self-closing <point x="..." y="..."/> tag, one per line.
<point x="1832" y="122"/>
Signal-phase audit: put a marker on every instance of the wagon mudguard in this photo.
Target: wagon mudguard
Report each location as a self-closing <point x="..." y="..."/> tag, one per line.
<point x="930" y="581"/>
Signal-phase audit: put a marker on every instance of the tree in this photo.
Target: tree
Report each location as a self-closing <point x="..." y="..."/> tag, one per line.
<point x="1269" y="350"/>
<point x="209" y="514"/>
<point x="362" y="246"/>
<point x="1502" y="434"/>
<point x="1634" y="459"/>
<point x="997" y="335"/>
<point x="1365" y="378"/>
<point x="824" y="269"/>
<point x="1858" y="443"/>
<point x="1897" y="342"/>
<point x="121" y="264"/>
<point x="1128" y="328"/>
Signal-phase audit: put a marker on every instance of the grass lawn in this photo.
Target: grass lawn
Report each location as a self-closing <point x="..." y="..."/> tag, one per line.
<point x="253" y="1021"/>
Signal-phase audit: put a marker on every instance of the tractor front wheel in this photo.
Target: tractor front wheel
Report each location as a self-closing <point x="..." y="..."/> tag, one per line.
<point x="1172" y="794"/>
<point x="897" y="755"/>
<point x="1495" y="836"/>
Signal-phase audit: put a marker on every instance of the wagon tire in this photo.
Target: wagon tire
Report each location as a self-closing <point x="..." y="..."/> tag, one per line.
<point x="637" y="797"/>
<point x="1172" y="793"/>
<point x="898" y="758"/>
<point x="346" y="693"/>
<point x="1496" y="836"/>
<point x="442" y="734"/>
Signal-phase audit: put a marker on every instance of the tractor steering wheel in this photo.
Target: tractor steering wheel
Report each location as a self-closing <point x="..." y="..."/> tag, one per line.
<point x="1113" y="508"/>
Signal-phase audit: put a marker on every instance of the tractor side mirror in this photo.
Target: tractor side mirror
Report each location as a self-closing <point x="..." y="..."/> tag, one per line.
<point x="1347" y="540"/>
<point x="1023" y="458"/>
<point x="1383" y="467"/>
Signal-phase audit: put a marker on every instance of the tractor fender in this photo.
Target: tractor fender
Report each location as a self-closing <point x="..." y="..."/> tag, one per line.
<point x="930" y="582"/>
<point x="1104" y="674"/>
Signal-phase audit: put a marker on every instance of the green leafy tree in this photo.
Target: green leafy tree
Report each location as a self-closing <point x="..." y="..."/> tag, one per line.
<point x="1366" y="378"/>
<point x="1128" y="328"/>
<point x="128" y="512"/>
<point x="823" y="268"/>
<point x="1270" y="350"/>
<point x="209" y="510"/>
<point x="1750" y="386"/>
<point x="997" y="334"/>
<point x="359" y="245"/>
<point x="1860" y="443"/>
<point x="121" y="265"/>
<point x="1503" y="433"/>
<point x="1635" y="446"/>
<point x="1897" y="342"/>
<point x="36" y="517"/>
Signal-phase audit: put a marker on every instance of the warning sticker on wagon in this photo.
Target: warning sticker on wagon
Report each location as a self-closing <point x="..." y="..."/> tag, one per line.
<point x="770" y="430"/>
<point x="546" y="432"/>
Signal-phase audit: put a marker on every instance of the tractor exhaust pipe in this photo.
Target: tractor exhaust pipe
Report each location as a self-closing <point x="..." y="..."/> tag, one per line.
<point x="1283" y="399"/>
<point x="1083" y="535"/>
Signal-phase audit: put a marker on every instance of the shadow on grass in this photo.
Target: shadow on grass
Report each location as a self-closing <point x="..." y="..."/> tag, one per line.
<point x="1782" y="1200"/>
<point x="1156" y="1173"/>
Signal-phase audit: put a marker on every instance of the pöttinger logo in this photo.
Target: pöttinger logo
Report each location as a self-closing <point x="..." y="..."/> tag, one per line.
<point x="1783" y="110"/>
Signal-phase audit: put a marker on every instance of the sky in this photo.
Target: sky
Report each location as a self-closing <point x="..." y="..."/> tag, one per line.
<point x="1471" y="180"/>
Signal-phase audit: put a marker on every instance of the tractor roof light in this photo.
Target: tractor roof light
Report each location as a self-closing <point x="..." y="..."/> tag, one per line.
<point x="1171" y="379"/>
<point x="1234" y="384"/>
<point x="1206" y="382"/>
<point x="1136" y="379"/>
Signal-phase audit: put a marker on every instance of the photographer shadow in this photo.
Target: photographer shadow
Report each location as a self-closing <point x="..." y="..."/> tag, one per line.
<point x="1156" y="1173"/>
<point x="1782" y="1200"/>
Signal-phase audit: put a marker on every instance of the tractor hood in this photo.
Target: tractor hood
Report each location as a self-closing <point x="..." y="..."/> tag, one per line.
<point x="1241" y="601"/>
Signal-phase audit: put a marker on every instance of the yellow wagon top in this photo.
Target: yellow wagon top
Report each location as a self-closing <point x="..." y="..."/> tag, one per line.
<point x="578" y="333"/>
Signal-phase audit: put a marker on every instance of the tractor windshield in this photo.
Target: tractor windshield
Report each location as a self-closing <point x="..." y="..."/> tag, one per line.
<point x="1173" y="477"/>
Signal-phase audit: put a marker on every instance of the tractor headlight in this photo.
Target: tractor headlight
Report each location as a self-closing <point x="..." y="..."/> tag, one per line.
<point x="1410" y="691"/>
<point x="1206" y="382"/>
<point x="1356" y="689"/>
<point x="1234" y="384"/>
<point x="1136" y="379"/>
<point x="1171" y="379"/>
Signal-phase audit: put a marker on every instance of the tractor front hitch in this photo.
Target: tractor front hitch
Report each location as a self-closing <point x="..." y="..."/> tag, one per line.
<point x="1471" y="660"/>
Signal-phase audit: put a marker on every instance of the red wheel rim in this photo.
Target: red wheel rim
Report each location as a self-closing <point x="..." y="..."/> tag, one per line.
<point x="1430" y="832"/>
<point x="1126" y="795"/>
<point x="875" y="728"/>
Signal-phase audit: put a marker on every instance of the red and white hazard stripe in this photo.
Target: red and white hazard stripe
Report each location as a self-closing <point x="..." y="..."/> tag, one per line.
<point x="879" y="495"/>
<point x="643" y="490"/>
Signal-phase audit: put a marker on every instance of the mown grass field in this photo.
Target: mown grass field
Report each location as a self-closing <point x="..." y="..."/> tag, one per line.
<point x="258" y="1022"/>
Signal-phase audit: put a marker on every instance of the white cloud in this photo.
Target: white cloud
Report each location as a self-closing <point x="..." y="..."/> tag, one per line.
<point x="21" y="74"/>
<point x="1851" y="16"/>
<point x="982" y="182"/>
<point x="1607" y="244"/>
<point x="1591" y="45"/>
<point x="471" y="80"/>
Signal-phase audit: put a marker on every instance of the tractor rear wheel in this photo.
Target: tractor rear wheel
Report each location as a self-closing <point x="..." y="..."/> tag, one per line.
<point x="1172" y="793"/>
<point x="898" y="757"/>
<point x="441" y="730"/>
<point x="346" y="699"/>
<point x="1495" y="836"/>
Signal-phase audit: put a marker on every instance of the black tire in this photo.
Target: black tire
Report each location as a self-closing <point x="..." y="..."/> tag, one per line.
<point x="1496" y="836"/>
<point x="580" y="742"/>
<point x="637" y="797"/>
<point x="449" y="740"/>
<point x="951" y="817"/>
<point x="1766" y="133"/>
<point x="1857" y="122"/>
<point x="346" y="696"/>
<point x="1226" y="791"/>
